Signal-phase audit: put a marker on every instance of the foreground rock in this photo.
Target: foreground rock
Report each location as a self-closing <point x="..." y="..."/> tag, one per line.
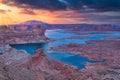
<point x="51" y="70"/>
<point x="12" y="56"/>
<point x="40" y="64"/>
<point x="13" y="73"/>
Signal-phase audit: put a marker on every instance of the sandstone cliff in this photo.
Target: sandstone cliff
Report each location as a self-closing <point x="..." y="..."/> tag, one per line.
<point x="40" y="64"/>
<point x="11" y="36"/>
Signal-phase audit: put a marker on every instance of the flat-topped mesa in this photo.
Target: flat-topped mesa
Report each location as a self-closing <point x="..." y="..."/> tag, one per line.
<point x="18" y="34"/>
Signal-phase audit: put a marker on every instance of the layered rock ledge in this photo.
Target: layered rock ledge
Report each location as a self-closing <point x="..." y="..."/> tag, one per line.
<point x="11" y="36"/>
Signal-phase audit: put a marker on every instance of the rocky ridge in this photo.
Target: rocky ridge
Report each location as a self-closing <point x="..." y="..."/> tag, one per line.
<point x="39" y="63"/>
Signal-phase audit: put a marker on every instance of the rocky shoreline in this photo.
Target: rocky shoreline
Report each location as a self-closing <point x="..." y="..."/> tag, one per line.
<point x="20" y="65"/>
<point x="40" y="64"/>
<point x="107" y="49"/>
<point x="40" y="67"/>
<point x="93" y="49"/>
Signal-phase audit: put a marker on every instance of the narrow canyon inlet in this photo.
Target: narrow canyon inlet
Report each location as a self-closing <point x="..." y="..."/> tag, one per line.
<point x="59" y="40"/>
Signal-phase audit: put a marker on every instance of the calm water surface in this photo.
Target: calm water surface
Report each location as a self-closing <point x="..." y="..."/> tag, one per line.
<point x="58" y="36"/>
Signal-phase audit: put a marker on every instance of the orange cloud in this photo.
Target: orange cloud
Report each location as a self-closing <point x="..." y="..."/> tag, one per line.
<point x="15" y="15"/>
<point x="12" y="15"/>
<point x="0" y="2"/>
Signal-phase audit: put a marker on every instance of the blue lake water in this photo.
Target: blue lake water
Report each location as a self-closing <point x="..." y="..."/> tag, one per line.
<point x="57" y="35"/>
<point x="30" y="48"/>
<point x="86" y="36"/>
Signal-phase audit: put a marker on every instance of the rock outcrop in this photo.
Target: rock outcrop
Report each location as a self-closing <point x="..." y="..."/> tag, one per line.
<point x="11" y="36"/>
<point x="13" y="73"/>
<point x="51" y="70"/>
<point x="12" y="56"/>
<point x="39" y="63"/>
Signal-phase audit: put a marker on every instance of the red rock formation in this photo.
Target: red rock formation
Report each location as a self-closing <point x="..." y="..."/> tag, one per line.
<point x="47" y="69"/>
<point x="41" y="63"/>
<point x="8" y="72"/>
<point x="10" y="36"/>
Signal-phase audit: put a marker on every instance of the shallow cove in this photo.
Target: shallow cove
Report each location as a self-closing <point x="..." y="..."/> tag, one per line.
<point x="30" y="47"/>
<point x="71" y="59"/>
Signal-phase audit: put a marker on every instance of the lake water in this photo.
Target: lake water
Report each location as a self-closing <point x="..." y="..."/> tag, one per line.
<point x="30" y="48"/>
<point x="58" y="36"/>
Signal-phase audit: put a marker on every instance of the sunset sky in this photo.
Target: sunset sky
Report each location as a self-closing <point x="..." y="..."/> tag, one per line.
<point x="60" y="11"/>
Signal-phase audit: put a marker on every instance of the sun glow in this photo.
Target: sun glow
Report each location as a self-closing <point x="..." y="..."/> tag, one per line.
<point x="3" y="7"/>
<point x="5" y="14"/>
<point x="13" y="15"/>
<point x="10" y="14"/>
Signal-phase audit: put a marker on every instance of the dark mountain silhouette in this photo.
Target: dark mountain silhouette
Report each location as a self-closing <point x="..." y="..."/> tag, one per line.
<point x="31" y="24"/>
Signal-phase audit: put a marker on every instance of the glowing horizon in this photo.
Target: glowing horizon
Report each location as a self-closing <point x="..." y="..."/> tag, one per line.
<point x="12" y="15"/>
<point x="17" y="11"/>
